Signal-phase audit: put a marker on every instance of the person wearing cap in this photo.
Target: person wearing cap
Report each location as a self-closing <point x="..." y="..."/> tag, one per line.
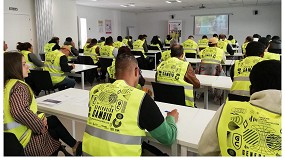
<point x="241" y="69"/>
<point x="69" y="42"/>
<point x="211" y="59"/>
<point x="253" y="128"/>
<point x="268" y="55"/>
<point x="190" y="47"/>
<point x="56" y="64"/>
<point x="224" y="44"/>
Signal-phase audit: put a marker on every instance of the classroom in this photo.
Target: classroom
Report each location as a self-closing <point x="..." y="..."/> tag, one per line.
<point x="142" y="78"/>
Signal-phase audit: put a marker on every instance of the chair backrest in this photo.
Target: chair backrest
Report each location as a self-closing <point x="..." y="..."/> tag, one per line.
<point x="81" y="50"/>
<point x="42" y="80"/>
<point x="152" y="48"/>
<point x="168" y="93"/>
<point x="85" y="60"/>
<point x="142" y="62"/>
<point x="12" y="146"/>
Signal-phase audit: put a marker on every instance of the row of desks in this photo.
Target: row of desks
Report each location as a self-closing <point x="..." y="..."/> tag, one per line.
<point x="206" y="81"/>
<point x="73" y="105"/>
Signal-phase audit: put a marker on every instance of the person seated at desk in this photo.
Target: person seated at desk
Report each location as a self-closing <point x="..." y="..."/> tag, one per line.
<point x="165" y="55"/>
<point x="203" y="43"/>
<point x="190" y="47"/>
<point x="241" y="69"/>
<point x="246" y="41"/>
<point x="119" y="42"/>
<point x="258" y="129"/>
<point x="268" y="55"/>
<point x="88" y="41"/>
<point x="69" y="42"/>
<point x="156" y="43"/>
<point x="39" y="135"/>
<point x="56" y="64"/>
<point x="167" y="40"/>
<point x="128" y="112"/>
<point x="101" y="42"/>
<point x="232" y="41"/>
<point x="92" y="50"/>
<point x="186" y="77"/>
<point x="224" y="44"/>
<point x="52" y="45"/>
<point x="140" y="45"/>
<point x="275" y="45"/>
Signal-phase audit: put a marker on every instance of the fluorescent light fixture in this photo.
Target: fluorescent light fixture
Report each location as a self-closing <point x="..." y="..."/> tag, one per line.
<point x="167" y="1"/>
<point x="94" y="0"/>
<point x="123" y="5"/>
<point x="178" y="1"/>
<point x="131" y="4"/>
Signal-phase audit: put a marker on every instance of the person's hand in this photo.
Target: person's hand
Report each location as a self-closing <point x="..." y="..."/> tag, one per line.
<point x="73" y="45"/>
<point x="73" y="66"/>
<point x="174" y="113"/>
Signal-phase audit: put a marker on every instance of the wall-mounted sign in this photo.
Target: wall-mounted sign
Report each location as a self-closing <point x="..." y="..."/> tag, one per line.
<point x="13" y="9"/>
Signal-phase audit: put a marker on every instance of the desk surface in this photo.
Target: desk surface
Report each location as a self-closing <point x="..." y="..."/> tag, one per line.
<point x="74" y="105"/>
<point x="82" y="67"/>
<point x="223" y="82"/>
<point x="197" y="60"/>
<point x="236" y="54"/>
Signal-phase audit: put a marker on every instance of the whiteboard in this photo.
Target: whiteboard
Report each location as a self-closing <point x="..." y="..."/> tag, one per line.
<point x="17" y="28"/>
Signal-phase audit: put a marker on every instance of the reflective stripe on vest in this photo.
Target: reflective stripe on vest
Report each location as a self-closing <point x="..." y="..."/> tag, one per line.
<point x="242" y="70"/>
<point x="172" y="71"/>
<point x="247" y="130"/>
<point x="203" y="43"/>
<point x="113" y="121"/>
<point x="22" y="133"/>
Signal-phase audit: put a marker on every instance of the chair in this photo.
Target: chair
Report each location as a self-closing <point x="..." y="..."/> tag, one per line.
<point x="90" y="74"/>
<point x="12" y="146"/>
<point x="152" y="48"/>
<point x="190" y="55"/>
<point x="168" y="93"/>
<point x="105" y="63"/>
<point x="142" y="62"/>
<point x="42" y="80"/>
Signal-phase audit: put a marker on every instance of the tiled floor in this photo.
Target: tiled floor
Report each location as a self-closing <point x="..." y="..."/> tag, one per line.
<point x="80" y="127"/>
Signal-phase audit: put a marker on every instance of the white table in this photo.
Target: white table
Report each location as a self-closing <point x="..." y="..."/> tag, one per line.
<point x="80" y="68"/>
<point x="206" y="81"/>
<point x="224" y="83"/>
<point x="74" y="106"/>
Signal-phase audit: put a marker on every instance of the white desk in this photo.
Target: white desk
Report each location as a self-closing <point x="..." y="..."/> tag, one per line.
<point x="206" y="81"/>
<point x="224" y="83"/>
<point x="74" y="106"/>
<point x="80" y="68"/>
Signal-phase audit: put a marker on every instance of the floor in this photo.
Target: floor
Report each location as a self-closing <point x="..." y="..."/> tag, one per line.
<point x="80" y="127"/>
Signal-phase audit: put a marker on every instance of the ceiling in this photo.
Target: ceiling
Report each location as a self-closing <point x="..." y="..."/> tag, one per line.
<point x="161" y="5"/>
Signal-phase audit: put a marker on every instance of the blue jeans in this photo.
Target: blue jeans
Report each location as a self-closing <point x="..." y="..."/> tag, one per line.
<point x="66" y="83"/>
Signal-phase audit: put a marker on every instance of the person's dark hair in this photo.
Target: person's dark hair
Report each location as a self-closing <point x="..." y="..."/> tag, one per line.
<point x="177" y="51"/>
<point x="140" y="37"/>
<point x="124" y="49"/>
<point x="92" y="43"/>
<point x="256" y="36"/>
<point x="123" y="62"/>
<point x="102" y="38"/>
<point x="68" y="39"/>
<point x="130" y="37"/>
<point x="264" y="41"/>
<point x="249" y="38"/>
<point x="222" y="36"/>
<point x="54" y="40"/>
<point x="268" y="37"/>
<point x="254" y="49"/>
<point x="204" y="36"/>
<point x="154" y="40"/>
<point x="265" y="75"/>
<point x="13" y="66"/>
<point x="275" y="38"/>
<point x="231" y="37"/>
<point x="168" y="37"/>
<point x="215" y="35"/>
<point x="144" y="35"/>
<point x="120" y="38"/>
<point x="23" y="46"/>
<point x="190" y="37"/>
<point x="108" y="41"/>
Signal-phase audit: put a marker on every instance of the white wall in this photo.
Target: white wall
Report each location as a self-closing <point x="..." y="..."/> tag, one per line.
<point x="120" y="21"/>
<point x="25" y="7"/>
<point x="241" y="24"/>
<point x="65" y="20"/>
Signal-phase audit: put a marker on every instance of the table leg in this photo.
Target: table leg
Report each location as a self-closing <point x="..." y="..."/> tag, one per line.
<point x="73" y="129"/>
<point x="183" y="151"/>
<point x="82" y="79"/>
<point x="205" y="97"/>
<point x="174" y="149"/>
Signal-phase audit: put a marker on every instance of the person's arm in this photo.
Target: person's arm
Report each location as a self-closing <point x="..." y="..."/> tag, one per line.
<point x="34" y="59"/>
<point x="141" y="79"/>
<point x="20" y="100"/>
<point x="64" y="64"/>
<point x="145" y="47"/>
<point x="190" y="77"/>
<point x="74" y="51"/>
<point x="55" y="47"/>
<point x="232" y="72"/>
<point x="230" y="49"/>
<point x="209" y="142"/>
<point x="151" y="119"/>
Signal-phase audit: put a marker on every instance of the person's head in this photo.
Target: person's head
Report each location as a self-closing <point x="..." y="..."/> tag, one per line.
<point x="126" y="68"/>
<point x="24" y="46"/>
<point x="265" y="75"/>
<point x="130" y="37"/>
<point x="124" y="49"/>
<point x="256" y="37"/>
<point x="93" y="41"/>
<point x="173" y="42"/>
<point x="215" y="35"/>
<point x="254" y="49"/>
<point x="168" y="37"/>
<point x="204" y="37"/>
<point x="275" y="38"/>
<point x="15" y="66"/>
<point x="109" y="41"/>
<point x="222" y="36"/>
<point x="102" y="38"/>
<point x="154" y="40"/>
<point x="231" y="37"/>
<point x="141" y="37"/>
<point x="213" y="42"/>
<point x="177" y="51"/>
<point x="65" y="50"/>
<point x="68" y="39"/>
<point x="268" y="37"/>
<point x="144" y="36"/>
<point x="5" y="46"/>
<point x="191" y="37"/>
<point x="54" y="40"/>
<point x="248" y="39"/>
<point x="88" y="40"/>
<point x="120" y="38"/>
<point x="265" y="42"/>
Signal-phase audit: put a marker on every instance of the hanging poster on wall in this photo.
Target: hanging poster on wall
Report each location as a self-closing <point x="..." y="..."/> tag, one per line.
<point x="108" y="26"/>
<point x="100" y="26"/>
<point x="175" y="29"/>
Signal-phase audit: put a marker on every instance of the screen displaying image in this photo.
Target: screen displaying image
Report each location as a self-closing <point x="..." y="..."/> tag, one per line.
<point x="211" y="24"/>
